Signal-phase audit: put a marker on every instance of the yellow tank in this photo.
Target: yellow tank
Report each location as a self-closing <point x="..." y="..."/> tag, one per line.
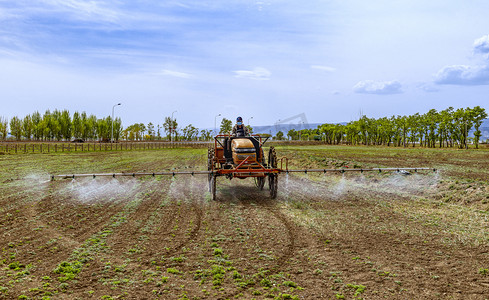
<point x="243" y="148"/>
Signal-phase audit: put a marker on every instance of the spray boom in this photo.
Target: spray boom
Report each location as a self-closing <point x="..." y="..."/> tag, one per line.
<point x="221" y="172"/>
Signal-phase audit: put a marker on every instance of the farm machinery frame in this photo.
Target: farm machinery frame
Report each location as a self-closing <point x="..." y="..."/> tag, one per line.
<point x="243" y="157"/>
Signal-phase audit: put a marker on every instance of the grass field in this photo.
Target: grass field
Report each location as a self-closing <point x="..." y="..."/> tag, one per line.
<point x="334" y="236"/>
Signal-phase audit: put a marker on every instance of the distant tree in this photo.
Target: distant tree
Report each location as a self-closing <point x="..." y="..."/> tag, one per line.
<point x="3" y="128"/>
<point x="55" y="125"/>
<point x="103" y="129"/>
<point x="190" y="132"/>
<point x="16" y="128"/>
<point x="92" y="127"/>
<point x="478" y="114"/>
<point x="206" y="134"/>
<point x="77" y="126"/>
<point x="170" y="126"/>
<point x="27" y="127"/>
<point x="463" y="124"/>
<point x="250" y="129"/>
<point x="129" y="133"/>
<point x="37" y="126"/>
<point x="65" y="125"/>
<point x="292" y="134"/>
<point x="47" y="132"/>
<point x="303" y="134"/>
<point x="226" y="126"/>
<point x="413" y="128"/>
<point x="117" y="128"/>
<point x="158" y="132"/>
<point x="143" y="129"/>
<point x="279" y="136"/>
<point x="132" y="132"/>
<point x="151" y="131"/>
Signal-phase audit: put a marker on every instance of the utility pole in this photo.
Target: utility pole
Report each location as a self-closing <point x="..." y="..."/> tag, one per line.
<point x="215" y="125"/>
<point x="249" y="121"/>
<point x="112" y="126"/>
<point x="172" y="129"/>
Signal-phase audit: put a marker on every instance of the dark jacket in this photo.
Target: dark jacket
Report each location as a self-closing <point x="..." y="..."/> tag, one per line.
<point x="240" y="130"/>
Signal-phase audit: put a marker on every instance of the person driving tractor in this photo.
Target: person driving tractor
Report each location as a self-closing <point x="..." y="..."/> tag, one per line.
<point x="239" y="129"/>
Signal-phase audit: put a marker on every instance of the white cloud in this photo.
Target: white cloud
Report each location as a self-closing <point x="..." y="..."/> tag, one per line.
<point x="427" y="87"/>
<point x="323" y="68"/>
<point x="463" y="75"/>
<point x="174" y="74"/>
<point x="481" y="45"/>
<point x="378" y="87"/>
<point x="255" y="74"/>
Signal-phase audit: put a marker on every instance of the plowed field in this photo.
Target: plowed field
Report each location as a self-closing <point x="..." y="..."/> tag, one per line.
<point x="350" y="236"/>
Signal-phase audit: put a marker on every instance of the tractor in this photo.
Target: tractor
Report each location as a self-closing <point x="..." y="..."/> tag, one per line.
<point x="242" y="157"/>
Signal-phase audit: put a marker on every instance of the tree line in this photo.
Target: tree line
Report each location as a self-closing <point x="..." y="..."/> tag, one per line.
<point x="60" y="126"/>
<point x="446" y="128"/>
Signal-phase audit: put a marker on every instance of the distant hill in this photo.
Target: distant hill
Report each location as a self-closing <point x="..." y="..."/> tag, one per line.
<point x="484" y="130"/>
<point x="273" y="129"/>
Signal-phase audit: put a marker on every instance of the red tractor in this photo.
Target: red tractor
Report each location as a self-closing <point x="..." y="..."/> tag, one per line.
<point x="242" y="157"/>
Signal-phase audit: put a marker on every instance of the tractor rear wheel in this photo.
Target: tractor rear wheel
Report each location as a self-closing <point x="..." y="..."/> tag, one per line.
<point x="212" y="186"/>
<point x="273" y="184"/>
<point x="272" y="158"/>
<point x="210" y="164"/>
<point x="272" y="177"/>
<point x="212" y="177"/>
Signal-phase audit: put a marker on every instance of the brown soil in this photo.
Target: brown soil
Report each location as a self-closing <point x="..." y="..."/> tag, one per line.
<point x="322" y="238"/>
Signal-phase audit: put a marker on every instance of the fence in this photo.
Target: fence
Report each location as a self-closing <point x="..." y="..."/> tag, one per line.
<point x="53" y="147"/>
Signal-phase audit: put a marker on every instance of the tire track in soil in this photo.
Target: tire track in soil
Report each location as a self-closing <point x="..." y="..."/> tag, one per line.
<point x="198" y="212"/>
<point x="242" y="195"/>
<point x="272" y="206"/>
<point x="10" y="200"/>
<point x="408" y="255"/>
<point x="166" y="216"/>
<point x="15" y="219"/>
<point x="65" y="206"/>
<point x="163" y="227"/>
<point x="292" y="235"/>
<point x="33" y="223"/>
<point x="61" y="207"/>
<point x="124" y="237"/>
<point x="56" y="245"/>
<point x="188" y="196"/>
<point x="116" y="249"/>
<point x="248" y="197"/>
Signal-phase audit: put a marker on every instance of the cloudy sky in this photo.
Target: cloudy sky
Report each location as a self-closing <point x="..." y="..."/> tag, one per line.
<point x="269" y="60"/>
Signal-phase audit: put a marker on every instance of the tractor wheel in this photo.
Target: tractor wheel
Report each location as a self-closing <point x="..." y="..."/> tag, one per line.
<point x="272" y="178"/>
<point x="260" y="182"/>
<point x="210" y="164"/>
<point x="273" y="184"/>
<point x="272" y="158"/>
<point x="212" y="186"/>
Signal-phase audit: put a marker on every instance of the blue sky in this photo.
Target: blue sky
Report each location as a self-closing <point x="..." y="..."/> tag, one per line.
<point x="269" y="60"/>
